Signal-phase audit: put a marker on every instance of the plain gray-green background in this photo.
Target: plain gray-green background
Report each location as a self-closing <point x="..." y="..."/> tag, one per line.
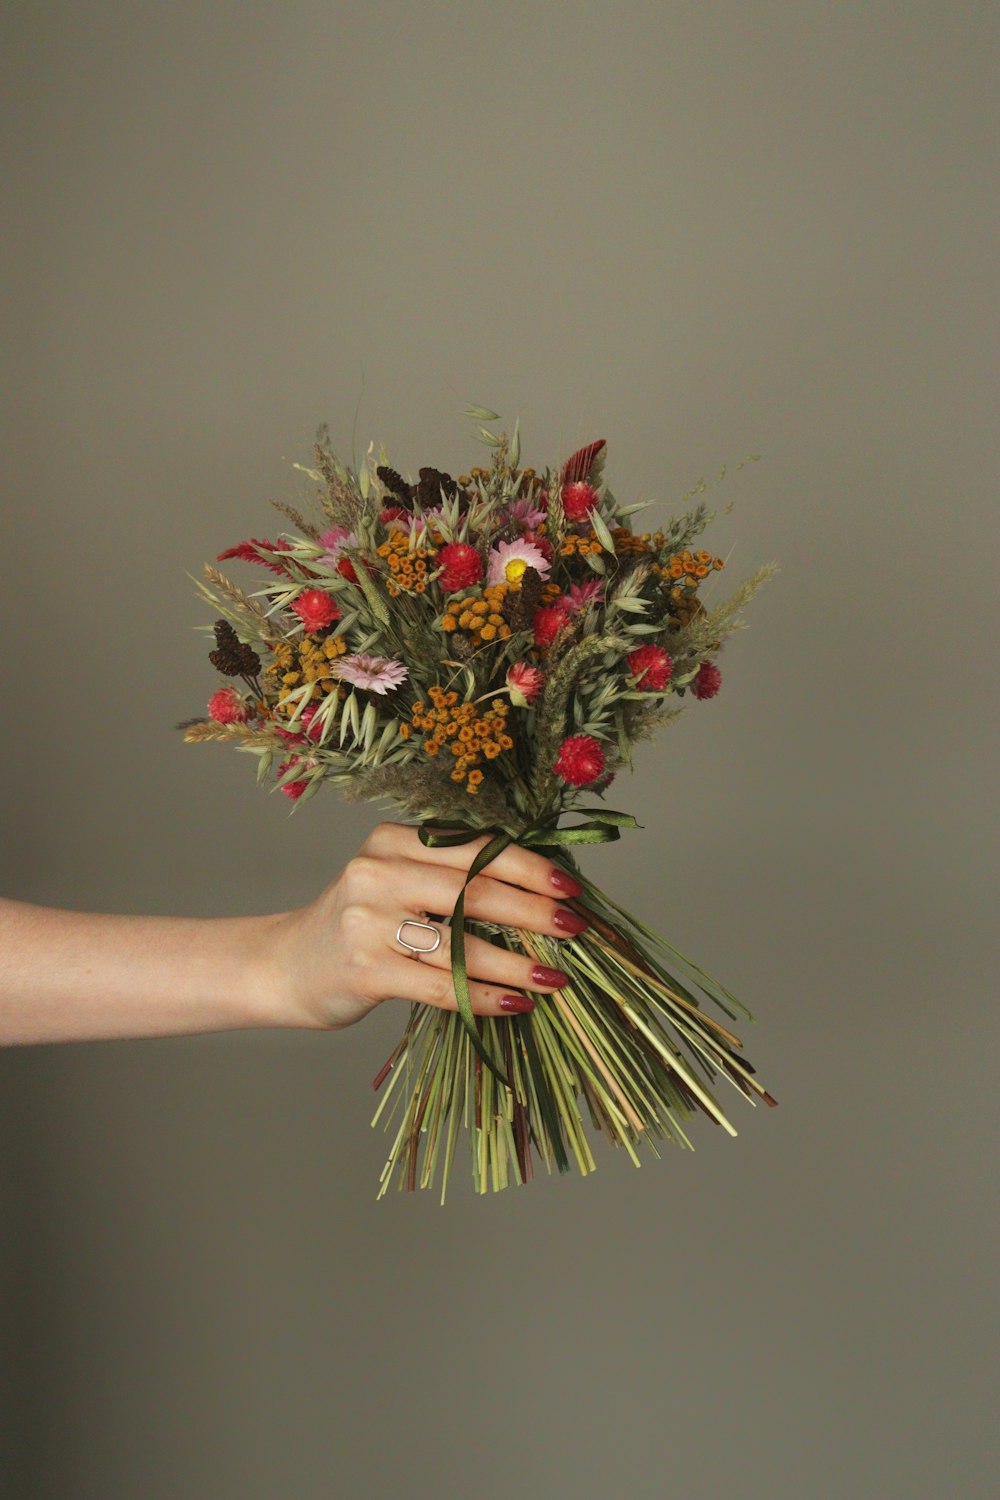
<point x="698" y="231"/>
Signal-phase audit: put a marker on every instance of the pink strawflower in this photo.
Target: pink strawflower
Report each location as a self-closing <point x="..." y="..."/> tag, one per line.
<point x="378" y="674"/>
<point x="524" y="683"/>
<point x="579" y="499"/>
<point x="651" y="666"/>
<point x="547" y="621"/>
<point x="461" y="567"/>
<point x="292" y="788"/>
<point x="316" y="609"/>
<point x="706" y="683"/>
<point x="580" y="759"/>
<point x="582" y="594"/>
<point x="227" y="707"/>
<point x="508" y="560"/>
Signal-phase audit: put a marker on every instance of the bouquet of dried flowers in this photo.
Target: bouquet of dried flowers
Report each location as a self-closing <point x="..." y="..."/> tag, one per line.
<point x="482" y="652"/>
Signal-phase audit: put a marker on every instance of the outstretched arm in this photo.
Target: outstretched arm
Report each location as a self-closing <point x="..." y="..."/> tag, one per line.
<point x="81" y="976"/>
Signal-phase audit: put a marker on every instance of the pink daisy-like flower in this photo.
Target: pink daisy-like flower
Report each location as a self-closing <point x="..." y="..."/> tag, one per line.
<point x="335" y="539"/>
<point x="508" y="561"/>
<point x="227" y="707"/>
<point x="524" y="683"/>
<point x="378" y="674"/>
<point x="582" y="594"/>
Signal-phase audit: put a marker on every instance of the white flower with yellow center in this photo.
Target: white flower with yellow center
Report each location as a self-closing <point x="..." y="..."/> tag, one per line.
<point x="508" y="561"/>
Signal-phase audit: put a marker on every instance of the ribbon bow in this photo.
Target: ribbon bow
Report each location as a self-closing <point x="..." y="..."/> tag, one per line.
<point x="602" y="827"/>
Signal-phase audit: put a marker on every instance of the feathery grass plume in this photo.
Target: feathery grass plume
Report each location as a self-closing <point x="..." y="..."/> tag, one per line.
<point x="435" y="728"/>
<point x="296" y="517"/>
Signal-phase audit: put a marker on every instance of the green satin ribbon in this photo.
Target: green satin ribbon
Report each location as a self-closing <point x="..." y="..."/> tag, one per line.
<point x="602" y="826"/>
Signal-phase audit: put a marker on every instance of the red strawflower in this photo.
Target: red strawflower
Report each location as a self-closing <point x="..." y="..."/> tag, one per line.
<point x="346" y="570"/>
<point x="291" y="788"/>
<point x="393" y="513"/>
<point x="651" y="666"/>
<point x="524" y="683"/>
<point x="461" y="567"/>
<point x="579" y="500"/>
<point x="580" y="759"/>
<point x="546" y="623"/>
<point x="245" y="551"/>
<point x="227" y="707"/>
<point x="316" y="609"/>
<point x="706" y="684"/>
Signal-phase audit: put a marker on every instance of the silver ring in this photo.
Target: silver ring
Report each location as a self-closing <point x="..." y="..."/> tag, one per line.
<point x="426" y="926"/>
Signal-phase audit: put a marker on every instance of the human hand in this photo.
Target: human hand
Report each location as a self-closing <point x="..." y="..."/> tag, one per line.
<point x="337" y="958"/>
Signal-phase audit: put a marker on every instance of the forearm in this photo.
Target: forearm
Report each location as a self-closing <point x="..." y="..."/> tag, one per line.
<point x="78" y="976"/>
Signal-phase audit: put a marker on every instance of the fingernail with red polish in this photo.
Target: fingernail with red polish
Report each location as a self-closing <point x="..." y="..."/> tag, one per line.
<point x="541" y="975"/>
<point x="565" y="883"/>
<point x="568" y="921"/>
<point x="516" y="1002"/>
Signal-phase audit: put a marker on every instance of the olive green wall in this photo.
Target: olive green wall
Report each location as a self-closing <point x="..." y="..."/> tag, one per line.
<point x="698" y="231"/>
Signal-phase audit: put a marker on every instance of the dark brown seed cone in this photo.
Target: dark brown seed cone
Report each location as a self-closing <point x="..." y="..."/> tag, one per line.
<point x="432" y="482"/>
<point x="519" y="605"/>
<point x="233" y="658"/>
<point x="461" y="645"/>
<point x="396" y="484"/>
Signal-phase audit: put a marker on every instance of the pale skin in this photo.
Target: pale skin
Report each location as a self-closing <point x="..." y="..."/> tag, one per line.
<point x="85" y="976"/>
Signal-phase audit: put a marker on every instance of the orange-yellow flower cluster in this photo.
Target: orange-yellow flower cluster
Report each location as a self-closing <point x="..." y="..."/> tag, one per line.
<point x="629" y="541"/>
<point x="304" y="660"/>
<point x="408" y="565"/>
<point x="479" y="615"/>
<point x="688" y="568"/>
<point x="574" y="544"/>
<point x="463" y="731"/>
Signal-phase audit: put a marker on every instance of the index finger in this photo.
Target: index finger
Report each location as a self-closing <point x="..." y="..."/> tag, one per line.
<point x="514" y="865"/>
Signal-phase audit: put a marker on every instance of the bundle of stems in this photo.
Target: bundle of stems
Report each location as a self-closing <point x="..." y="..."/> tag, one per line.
<point x="627" y="1036"/>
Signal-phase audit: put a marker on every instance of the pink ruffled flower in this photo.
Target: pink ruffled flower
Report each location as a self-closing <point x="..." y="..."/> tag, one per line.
<point x="524" y="683"/>
<point x="227" y="707"/>
<point x="524" y="512"/>
<point x="580" y="595"/>
<point x="377" y="674"/>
